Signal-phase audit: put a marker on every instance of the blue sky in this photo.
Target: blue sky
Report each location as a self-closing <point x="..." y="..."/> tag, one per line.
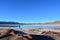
<point x="30" y="11"/>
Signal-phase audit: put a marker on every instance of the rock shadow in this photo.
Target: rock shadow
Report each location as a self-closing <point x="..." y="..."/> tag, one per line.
<point x="19" y="32"/>
<point x="41" y="37"/>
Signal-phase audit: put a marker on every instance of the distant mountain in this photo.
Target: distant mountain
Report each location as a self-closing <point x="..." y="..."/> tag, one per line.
<point x="9" y="22"/>
<point x="56" y="23"/>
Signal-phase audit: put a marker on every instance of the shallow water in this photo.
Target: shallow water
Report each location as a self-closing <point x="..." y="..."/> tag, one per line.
<point x="49" y="27"/>
<point x="40" y="26"/>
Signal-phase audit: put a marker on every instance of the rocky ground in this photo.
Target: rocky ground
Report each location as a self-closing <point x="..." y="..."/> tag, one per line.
<point x="10" y="34"/>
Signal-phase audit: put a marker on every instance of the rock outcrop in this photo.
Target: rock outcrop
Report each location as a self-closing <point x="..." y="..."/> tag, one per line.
<point x="55" y="35"/>
<point x="11" y="34"/>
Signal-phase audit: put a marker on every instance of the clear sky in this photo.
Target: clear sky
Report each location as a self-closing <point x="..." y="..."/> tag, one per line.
<point x="29" y="11"/>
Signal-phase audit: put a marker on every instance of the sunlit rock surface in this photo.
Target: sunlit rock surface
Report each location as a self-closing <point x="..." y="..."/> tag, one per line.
<point x="10" y="34"/>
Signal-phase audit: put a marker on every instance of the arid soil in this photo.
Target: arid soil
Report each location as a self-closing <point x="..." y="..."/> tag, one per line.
<point x="10" y="34"/>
